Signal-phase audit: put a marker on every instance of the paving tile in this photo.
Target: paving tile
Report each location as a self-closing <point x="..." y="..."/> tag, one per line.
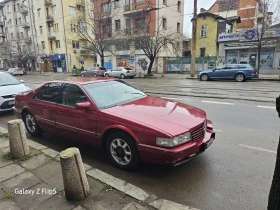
<point x="50" y="152"/>
<point x="35" y="161"/>
<point x="134" y="206"/>
<point x="10" y="171"/>
<point x="9" y="205"/>
<point x="36" y="145"/>
<point x="4" y="144"/>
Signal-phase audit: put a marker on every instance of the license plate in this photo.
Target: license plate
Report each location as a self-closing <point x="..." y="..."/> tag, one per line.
<point x="210" y="142"/>
<point x="11" y="102"/>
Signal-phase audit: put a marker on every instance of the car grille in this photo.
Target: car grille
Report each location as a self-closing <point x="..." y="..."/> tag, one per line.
<point x="8" y="96"/>
<point x="199" y="132"/>
<point x="6" y="105"/>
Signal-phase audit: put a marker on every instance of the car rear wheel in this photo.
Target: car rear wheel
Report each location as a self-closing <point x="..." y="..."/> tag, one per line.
<point x="122" y="76"/>
<point x="240" y="78"/>
<point x="122" y="151"/>
<point x="94" y="75"/>
<point x="31" y="125"/>
<point x="106" y="75"/>
<point x="204" y="77"/>
<point x="83" y="75"/>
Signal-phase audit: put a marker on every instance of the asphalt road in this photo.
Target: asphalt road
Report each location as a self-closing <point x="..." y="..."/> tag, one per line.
<point x="234" y="173"/>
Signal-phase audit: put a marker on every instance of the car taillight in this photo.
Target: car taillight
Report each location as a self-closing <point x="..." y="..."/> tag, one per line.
<point x="253" y="70"/>
<point x="127" y="71"/>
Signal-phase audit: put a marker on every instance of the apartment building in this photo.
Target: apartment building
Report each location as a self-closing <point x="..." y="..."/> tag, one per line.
<point x="60" y="47"/>
<point x="2" y="34"/>
<point x="125" y="20"/>
<point x="251" y="12"/>
<point x="18" y="31"/>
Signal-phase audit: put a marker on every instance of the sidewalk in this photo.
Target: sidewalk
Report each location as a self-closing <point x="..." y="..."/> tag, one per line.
<point x="35" y="182"/>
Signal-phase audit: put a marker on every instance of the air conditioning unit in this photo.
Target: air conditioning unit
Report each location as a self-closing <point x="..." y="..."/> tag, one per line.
<point x="75" y="51"/>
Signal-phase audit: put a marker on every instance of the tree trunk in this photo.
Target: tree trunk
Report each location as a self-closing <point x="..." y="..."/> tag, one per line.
<point x="152" y="60"/>
<point x="259" y="58"/>
<point x="102" y="60"/>
<point x="274" y="195"/>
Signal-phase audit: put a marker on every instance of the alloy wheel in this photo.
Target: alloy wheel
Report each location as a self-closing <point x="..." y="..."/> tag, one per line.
<point x="30" y="123"/>
<point x="239" y="77"/>
<point x="120" y="151"/>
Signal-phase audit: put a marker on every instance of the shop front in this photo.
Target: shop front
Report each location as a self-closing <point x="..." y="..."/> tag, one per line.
<point x="58" y="62"/>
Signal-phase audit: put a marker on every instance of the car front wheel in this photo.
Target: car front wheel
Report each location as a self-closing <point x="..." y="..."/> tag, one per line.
<point x="94" y="75"/>
<point x="122" y="151"/>
<point x="240" y="78"/>
<point x="106" y="75"/>
<point x="31" y="125"/>
<point x="83" y="75"/>
<point x="204" y="77"/>
<point x="122" y="76"/>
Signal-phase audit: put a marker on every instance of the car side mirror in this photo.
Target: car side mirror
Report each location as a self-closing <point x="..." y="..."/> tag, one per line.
<point x="83" y="105"/>
<point x="22" y="81"/>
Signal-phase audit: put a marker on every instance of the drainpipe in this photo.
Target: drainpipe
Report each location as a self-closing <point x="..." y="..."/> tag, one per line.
<point x="66" y="57"/>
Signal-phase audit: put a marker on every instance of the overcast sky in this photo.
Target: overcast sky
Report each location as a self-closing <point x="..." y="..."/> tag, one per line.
<point x="206" y="4"/>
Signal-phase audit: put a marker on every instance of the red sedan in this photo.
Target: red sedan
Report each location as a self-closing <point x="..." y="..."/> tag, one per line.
<point x="111" y="114"/>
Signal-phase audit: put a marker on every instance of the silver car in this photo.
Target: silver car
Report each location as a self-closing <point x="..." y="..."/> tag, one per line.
<point x="121" y="72"/>
<point x="9" y="87"/>
<point x="94" y="71"/>
<point x="15" y="71"/>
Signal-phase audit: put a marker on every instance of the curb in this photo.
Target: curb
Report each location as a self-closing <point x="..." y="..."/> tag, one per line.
<point x="116" y="183"/>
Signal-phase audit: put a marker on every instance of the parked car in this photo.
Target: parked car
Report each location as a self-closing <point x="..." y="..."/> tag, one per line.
<point x="16" y="71"/>
<point x="97" y="71"/>
<point x="118" y="118"/>
<point x="9" y="87"/>
<point x="238" y="72"/>
<point x="121" y="72"/>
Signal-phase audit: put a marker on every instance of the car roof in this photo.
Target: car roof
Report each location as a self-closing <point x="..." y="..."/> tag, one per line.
<point x="83" y="80"/>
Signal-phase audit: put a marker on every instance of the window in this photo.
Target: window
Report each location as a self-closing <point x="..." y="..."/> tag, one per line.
<point x="203" y="31"/>
<point x="117" y="25"/>
<point x="16" y="22"/>
<point x="105" y="7"/>
<point x="164" y="2"/>
<point x="75" y="44"/>
<point x="41" y="29"/>
<point x="164" y="23"/>
<point x="39" y="12"/>
<point x="178" y="27"/>
<point x="179" y="6"/>
<point x="21" y="34"/>
<point x="19" y="21"/>
<point x="117" y="4"/>
<point x="8" y="9"/>
<point x="51" y="45"/>
<point x="72" y="10"/>
<point x="18" y="6"/>
<point x="140" y="23"/>
<point x="57" y="44"/>
<point x="54" y="9"/>
<point x="202" y="52"/>
<point x="83" y="26"/>
<point x="72" y="94"/>
<point x="49" y="92"/>
<point x="139" y="1"/>
<point x="12" y="35"/>
<point x="14" y="8"/>
<point x="43" y="45"/>
<point x="17" y="35"/>
<point x="55" y="27"/>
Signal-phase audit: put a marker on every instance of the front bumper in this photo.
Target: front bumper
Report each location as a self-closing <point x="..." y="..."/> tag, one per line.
<point x="178" y="155"/>
<point x="7" y="104"/>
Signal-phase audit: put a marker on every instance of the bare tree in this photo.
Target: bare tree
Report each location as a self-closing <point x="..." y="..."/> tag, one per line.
<point x="95" y="28"/>
<point x="152" y="41"/>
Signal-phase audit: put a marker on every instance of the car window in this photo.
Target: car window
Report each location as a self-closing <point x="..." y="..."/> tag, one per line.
<point x="102" y="68"/>
<point x="242" y="67"/>
<point x="112" y="93"/>
<point x="49" y="92"/>
<point x="127" y="68"/>
<point x="72" y="94"/>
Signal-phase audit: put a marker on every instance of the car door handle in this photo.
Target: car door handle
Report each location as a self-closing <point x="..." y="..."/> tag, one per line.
<point x="60" y="112"/>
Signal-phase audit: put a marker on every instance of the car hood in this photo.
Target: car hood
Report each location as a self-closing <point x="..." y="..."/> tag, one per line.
<point x="12" y="89"/>
<point x="206" y="71"/>
<point x="162" y="114"/>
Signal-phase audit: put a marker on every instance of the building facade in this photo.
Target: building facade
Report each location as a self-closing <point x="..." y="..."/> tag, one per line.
<point x="126" y="19"/>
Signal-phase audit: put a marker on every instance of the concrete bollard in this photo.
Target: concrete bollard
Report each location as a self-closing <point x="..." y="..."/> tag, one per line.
<point x="17" y="139"/>
<point x="74" y="176"/>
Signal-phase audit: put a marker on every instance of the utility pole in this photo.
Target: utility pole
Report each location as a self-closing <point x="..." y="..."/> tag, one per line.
<point x="193" y="39"/>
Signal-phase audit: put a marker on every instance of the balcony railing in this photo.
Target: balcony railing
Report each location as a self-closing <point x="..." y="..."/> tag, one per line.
<point x="25" y="25"/>
<point x="28" y="40"/>
<point x="1" y="23"/>
<point x="48" y="2"/>
<point x="142" y="6"/>
<point x="51" y="36"/>
<point x="23" y="9"/>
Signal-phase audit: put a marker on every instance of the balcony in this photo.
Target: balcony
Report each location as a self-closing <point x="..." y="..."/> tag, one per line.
<point x="25" y="25"/>
<point x="2" y="35"/>
<point x="49" y="19"/>
<point x="23" y="9"/>
<point x="133" y="8"/>
<point x="1" y="23"/>
<point x="51" y="36"/>
<point x="48" y="2"/>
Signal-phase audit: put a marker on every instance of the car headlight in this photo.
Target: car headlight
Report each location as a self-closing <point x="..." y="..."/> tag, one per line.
<point x="177" y="140"/>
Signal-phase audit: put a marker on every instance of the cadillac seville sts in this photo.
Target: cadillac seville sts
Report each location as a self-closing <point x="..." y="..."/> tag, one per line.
<point x="129" y="125"/>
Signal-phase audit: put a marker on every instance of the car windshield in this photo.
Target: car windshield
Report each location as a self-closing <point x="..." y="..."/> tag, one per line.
<point x="7" y="79"/>
<point x="128" y="68"/>
<point x="102" y="68"/>
<point x="112" y="93"/>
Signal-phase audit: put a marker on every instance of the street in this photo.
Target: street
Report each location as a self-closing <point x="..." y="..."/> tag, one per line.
<point x="234" y="173"/>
